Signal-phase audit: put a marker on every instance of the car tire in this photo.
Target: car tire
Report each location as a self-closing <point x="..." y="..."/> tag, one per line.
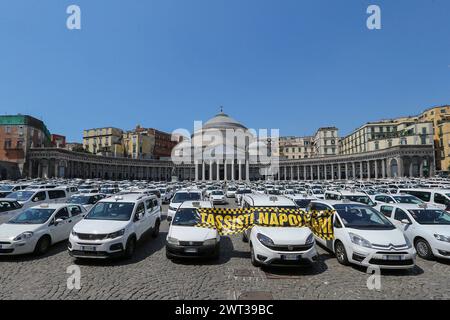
<point x="423" y="249"/>
<point x="255" y="262"/>
<point x="130" y="248"/>
<point x="42" y="246"/>
<point x="155" y="232"/>
<point x="244" y="237"/>
<point x="216" y="254"/>
<point x="168" y="255"/>
<point x="341" y="253"/>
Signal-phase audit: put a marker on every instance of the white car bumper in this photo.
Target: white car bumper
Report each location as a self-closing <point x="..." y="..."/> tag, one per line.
<point x="8" y="247"/>
<point x="441" y="249"/>
<point x="267" y="256"/>
<point x="392" y="259"/>
<point x="97" y="249"/>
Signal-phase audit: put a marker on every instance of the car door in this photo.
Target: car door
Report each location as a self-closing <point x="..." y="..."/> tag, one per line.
<point x="150" y="207"/>
<point x="140" y="219"/>
<point x="76" y="214"/>
<point x="60" y="231"/>
<point x="387" y="210"/>
<point x="38" y="198"/>
<point x="398" y="217"/>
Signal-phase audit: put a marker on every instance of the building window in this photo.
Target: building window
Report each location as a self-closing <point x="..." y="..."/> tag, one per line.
<point x="377" y="145"/>
<point x="8" y="144"/>
<point x="403" y="141"/>
<point x="19" y="144"/>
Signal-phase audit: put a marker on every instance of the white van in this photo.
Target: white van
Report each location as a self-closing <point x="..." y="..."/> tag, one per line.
<point x="437" y="197"/>
<point x="31" y="198"/>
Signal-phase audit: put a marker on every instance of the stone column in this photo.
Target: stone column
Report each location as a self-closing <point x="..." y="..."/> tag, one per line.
<point x="332" y="172"/>
<point x="376" y="169"/>
<point x="232" y="170"/>
<point x="292" y="173"/>
<point x="247" y="170"/>
<point x="311" y="174"/>
<point x="361" y="175"/>
<point x="210" y="170"/>
<point x="225" y="165"/>
<point x="240" y="169"/>
<point x="196" y="169"/>
<point x="304" y="173"/>
<point x="346" y="171"/>
<point x="383" y="168"/>
<point x="354" y="171"/>
<point x="368" y="170"/>
<point x="325" y="173"/>
<point x="298" y="173"/>
<point x="217" y="170"/>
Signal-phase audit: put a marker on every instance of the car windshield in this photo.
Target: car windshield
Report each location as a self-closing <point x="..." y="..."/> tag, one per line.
<point x="186" y="196"/>
<point x="273" y="192"/>
<point x="362" y="217"/>
<point x="429" y="216"/>
<point x="186" y="217"/>
<point x="360" y="199"/>
<point x="302" y="203"/>
<point x="408" y="199"/>
<point x="20" y="195"/>
<point x="6" y="187"/>
<point x="32" y="216"/>
<point x="231" y="189"/>
<point x="80" y="200"/>
<point x="120" y="211"/>
<point x="217" y="193"/>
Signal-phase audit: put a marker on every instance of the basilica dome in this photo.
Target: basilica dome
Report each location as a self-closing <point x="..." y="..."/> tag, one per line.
<point x="223" y="121"/>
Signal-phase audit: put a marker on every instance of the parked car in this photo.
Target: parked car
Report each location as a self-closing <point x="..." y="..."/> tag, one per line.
<point x="363" y="236"/>
<point x="86" y="200"/>
<point x="30" y="198"/>
<point x="217" y="197"/>
<point x="39" y="227"/>
<point x="114" y="225"/>
<point x="181" y="196"/>
<point x="278" y="245"/>
<point x="185" y="239"/>
<point x="426" y="227"/>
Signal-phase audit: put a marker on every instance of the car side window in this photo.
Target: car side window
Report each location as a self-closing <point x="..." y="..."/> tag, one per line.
<point x="149" y="204"/>
<point x="337" y="223"/>
<point x="140" y="210"/>
<point x="380" y="198"/>
<point x="62" y="214"/>
<point x="155" y="203"/>
<point x="40" y="196"/>
<point x="400" y="215"/>
<point x="439" y="198"/>
<point x="74" y="210"/>
<point x="386" y="210"/>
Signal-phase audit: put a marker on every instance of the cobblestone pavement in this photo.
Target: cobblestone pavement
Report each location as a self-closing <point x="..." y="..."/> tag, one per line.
<point x="149" y="275"/>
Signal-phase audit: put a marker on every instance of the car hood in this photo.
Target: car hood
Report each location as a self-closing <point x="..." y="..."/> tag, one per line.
<point x="99" y="226"/>
<point x="285" y="235"/>
<point x="383" y="237"/>
<point x="191" y="233"/>
<point x="10" y="230"/>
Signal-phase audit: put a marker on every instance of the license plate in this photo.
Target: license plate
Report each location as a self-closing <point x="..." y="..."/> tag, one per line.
<point x="190" y="250"/>
<point x="290" y="257"/>
<point x="392" y="257"/>
<point x="88" y="248"/>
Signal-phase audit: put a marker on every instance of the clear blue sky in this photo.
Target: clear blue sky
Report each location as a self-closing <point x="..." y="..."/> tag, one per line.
<point x="289" y="64"/>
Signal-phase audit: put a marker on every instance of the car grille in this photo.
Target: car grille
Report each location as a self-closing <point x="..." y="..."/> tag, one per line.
<point x="287" y="248"/>
<point x="88" y="236"/>
<point x="191" y="243"/>
<point x="391" y="262"/>
<point x="389" y="247"/>
<point x="3" y="242"/>
<point x="6" y="250"/>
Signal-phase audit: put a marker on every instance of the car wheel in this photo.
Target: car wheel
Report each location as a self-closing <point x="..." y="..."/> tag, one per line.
<point x="423" y="249"/>
<point x="341" y="254"/>
<point x="244" y="237"/>
<point x="155" y="232"/>
<point x="216" y="254"/>
<point x="168" y="255"/>
<point x="255" y="262"/>
<point x="42" y="245"/>
<point x="130" y="248"/>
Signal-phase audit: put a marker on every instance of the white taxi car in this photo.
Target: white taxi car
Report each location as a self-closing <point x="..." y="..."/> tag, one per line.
<point x="37" y="228"/>
<point x="181" y="196"/>
<point x="428" y="228"/>
<point x="184" y="239"/>
<point x="217" y="197"/>
<point x="278" y="245"/>
<point x="114" y="225"/>
<point x="363" y="236"/>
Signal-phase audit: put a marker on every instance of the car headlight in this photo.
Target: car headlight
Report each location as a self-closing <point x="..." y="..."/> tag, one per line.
<point x="116" y="234"/>
<point x="173" y="241"/>
<point x="210" y="242"/>
<point x="310" y="239"/>
<point x="73" y="233"/>
<point x="408" y="243"/>
<point x="265" y="240"/>
<point x="360" y="241"/>
<point x="23" y="236"/>
<point x="440" y="237"/>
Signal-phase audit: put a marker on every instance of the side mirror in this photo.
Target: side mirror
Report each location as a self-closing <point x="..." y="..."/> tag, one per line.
<point x="58" y="221"/>
<point x="169" y="219"/>
<point x="405" y="221"/>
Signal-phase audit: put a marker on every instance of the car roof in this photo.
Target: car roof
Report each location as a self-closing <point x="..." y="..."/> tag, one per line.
<point x="268" y="200"/>
<point x="408" y="206"/>
<point x="201" y="204"/>
<point x="426" y="190"/>
<point x="52" y="205"/>
<point x="8" y="199"/>
<point x="130" y="197"/>
<point x="335" y="202"/>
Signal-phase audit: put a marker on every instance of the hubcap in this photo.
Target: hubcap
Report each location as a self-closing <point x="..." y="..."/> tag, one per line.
<point x="422" y="248"/>
<point x="340" y="253"/>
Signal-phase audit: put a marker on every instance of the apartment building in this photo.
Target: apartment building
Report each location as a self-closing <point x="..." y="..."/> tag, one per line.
<point x="104" y="141"/>
<point x="326" y="142"/>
